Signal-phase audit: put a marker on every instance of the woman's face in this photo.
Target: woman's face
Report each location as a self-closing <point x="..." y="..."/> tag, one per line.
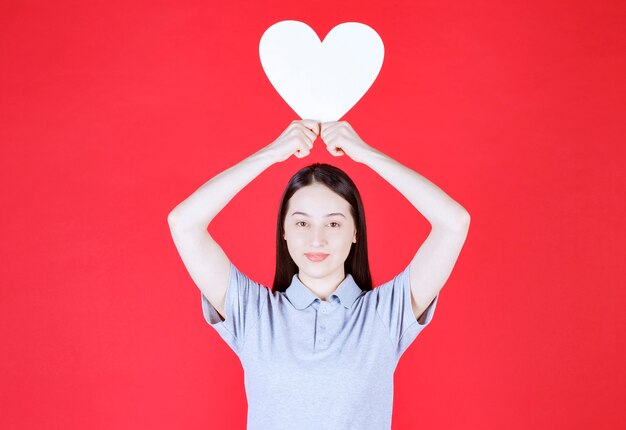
<point x="319" y="221"/>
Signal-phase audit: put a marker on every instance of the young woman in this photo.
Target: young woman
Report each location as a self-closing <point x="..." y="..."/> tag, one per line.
<point x="319" y="350"/>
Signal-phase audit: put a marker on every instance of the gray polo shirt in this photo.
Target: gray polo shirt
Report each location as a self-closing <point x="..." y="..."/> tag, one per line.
<point x="315" y="364"/>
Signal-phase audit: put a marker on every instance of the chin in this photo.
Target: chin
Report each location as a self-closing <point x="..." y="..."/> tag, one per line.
<point x="325" y="267"/>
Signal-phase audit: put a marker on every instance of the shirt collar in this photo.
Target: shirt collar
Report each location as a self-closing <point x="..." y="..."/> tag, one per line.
<point x="301" y="297"/>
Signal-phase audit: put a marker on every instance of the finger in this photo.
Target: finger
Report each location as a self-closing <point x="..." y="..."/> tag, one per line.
<point x="309" y="136"/>
<point x="312" y="125"/>
<point x="329" y="129"/>
<point x="300" y="153"/>
<point x="330" y="136"/>
<point x="334" y="151"/>
<point x="324" y="126"/>
<point x="329" y="125"/>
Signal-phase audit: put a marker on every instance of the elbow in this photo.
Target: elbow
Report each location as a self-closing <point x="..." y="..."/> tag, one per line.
<point x="463" y="221"/>
<point x="464" y="218"/>
<point x="170" y="218"/>
<point x="173" y="219"/>
<point x="181" y="223"/>
<point x="177" y="227"/>
<point x="458" y="223"/>
<point x="461" y="218"/>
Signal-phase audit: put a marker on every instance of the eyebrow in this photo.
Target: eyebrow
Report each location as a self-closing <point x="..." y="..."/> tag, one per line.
<point x="327" y="215"/>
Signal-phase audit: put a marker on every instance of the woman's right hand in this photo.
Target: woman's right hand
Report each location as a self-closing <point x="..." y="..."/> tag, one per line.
<point x="297" y="139"/>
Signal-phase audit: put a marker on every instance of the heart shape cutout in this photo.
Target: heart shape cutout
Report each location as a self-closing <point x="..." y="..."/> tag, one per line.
<point x="321" y="80"/>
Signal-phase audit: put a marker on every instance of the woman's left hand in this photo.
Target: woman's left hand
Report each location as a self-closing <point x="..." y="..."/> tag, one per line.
<point x="340" y="138"/>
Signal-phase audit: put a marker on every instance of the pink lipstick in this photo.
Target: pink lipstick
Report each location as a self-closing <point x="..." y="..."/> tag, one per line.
<point x="316" y="256"/>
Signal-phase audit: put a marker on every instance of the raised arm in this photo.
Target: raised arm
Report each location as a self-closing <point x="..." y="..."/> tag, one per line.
<point x="204" y="259"/>
<point x="431" y="266"/>
<point x="434" y="260"/>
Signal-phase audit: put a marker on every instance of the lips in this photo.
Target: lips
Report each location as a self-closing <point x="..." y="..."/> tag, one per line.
<point x="316" y="256"/>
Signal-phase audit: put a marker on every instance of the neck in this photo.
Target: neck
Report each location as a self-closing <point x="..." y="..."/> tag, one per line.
<point x="322" y="287"/>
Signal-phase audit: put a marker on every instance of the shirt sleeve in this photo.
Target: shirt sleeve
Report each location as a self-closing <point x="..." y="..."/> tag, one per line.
<point x="244" y="303"/>
<point x="393" y="305"/>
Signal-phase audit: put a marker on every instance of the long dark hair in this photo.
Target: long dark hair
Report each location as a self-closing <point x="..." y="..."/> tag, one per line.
<point x="336" y="180"/>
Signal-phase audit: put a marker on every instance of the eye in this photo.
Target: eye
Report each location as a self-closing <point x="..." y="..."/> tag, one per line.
<point x="338" y="225"/>
<point x="300" y="222"/>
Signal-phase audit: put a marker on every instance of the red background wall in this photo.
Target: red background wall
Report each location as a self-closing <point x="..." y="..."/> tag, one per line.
<point x="114" y="112"/>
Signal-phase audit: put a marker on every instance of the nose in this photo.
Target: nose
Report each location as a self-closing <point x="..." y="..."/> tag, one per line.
<point x="318" y="237"/>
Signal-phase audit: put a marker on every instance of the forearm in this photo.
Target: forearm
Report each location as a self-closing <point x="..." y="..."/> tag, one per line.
<point x="199" y="209"/>
<point x="432" y="202"/>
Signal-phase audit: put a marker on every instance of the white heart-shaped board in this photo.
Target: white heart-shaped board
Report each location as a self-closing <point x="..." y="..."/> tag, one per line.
<point x="321" y="80"/>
